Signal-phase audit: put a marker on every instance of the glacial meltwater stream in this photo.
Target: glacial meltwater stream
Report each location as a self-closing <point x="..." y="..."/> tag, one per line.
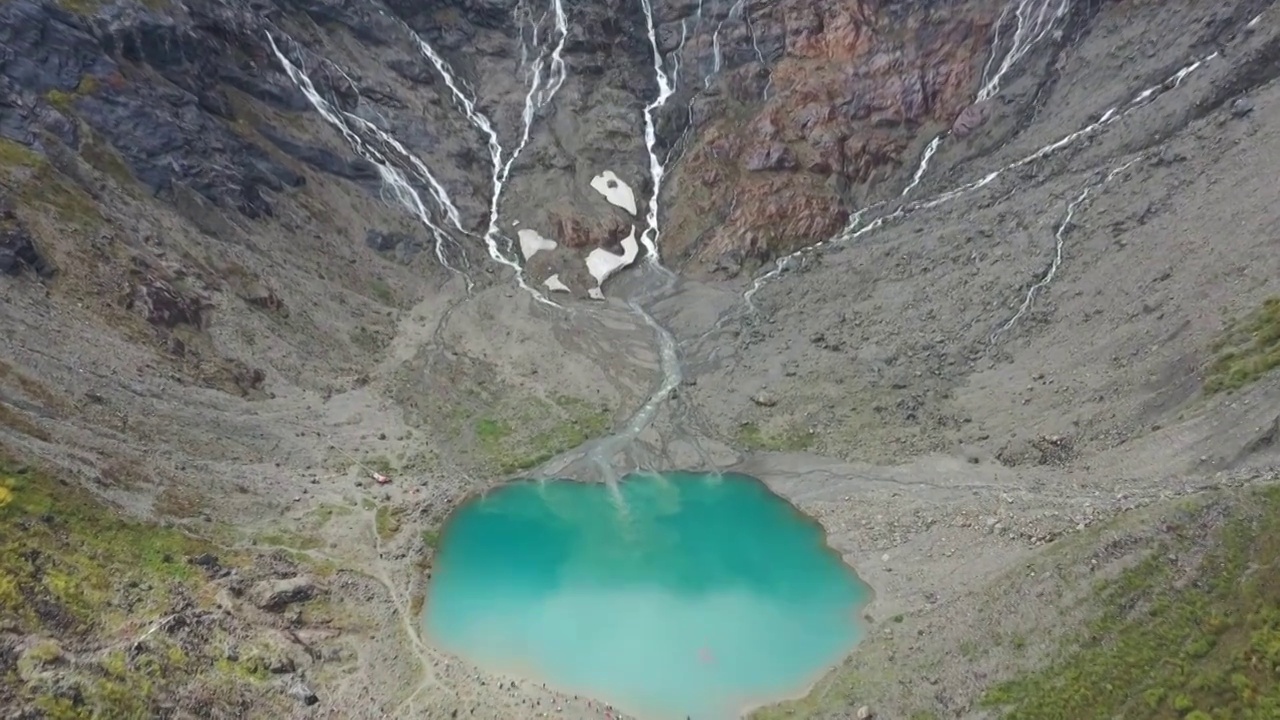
<point x="682" y="595"/>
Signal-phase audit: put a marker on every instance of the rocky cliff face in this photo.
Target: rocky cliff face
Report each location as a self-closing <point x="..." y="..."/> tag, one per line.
<point x="771" y="119"/>
<point x="783" y="150"/>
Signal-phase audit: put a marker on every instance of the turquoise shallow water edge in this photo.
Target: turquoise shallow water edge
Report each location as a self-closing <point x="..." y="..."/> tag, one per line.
<point x="672" y="596"/>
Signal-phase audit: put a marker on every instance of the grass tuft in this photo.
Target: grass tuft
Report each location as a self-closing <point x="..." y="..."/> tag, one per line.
<point x="549" y="428"/>
<point x="791" y="439"/>
<point x="387" y="521"/>
<point x="1248" y="349"/>
<point x="16" y="155"/>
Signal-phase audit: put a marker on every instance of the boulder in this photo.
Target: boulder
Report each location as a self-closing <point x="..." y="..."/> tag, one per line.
<point x="275" y="595"/>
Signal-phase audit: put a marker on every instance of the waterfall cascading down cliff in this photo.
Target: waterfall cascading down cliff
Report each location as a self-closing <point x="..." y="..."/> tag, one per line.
<point x="546" y="74"/>
<point x="855" y="228"/>
<point x="1033" y="21"/>
<point x="392" y="176"/>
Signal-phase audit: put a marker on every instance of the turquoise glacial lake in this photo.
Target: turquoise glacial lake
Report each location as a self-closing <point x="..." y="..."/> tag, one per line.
<point x="673" y="596"/>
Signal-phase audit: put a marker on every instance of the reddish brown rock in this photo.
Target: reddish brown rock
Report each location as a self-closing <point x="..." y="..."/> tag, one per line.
<point x="164" y="306"/>
<point x="971" y="118"/>
<point x="851" y="93"/>
<point x="581" y="232"/>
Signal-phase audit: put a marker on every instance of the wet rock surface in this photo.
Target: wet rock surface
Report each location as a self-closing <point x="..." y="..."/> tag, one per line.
<point x="847" y="96"/>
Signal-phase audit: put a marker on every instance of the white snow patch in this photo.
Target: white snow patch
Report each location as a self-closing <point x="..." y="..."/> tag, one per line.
<point x="555" y="284"/>
<point x="595" y="294"/>
<point x="601" y="263"/>
<point x="531" y="242"/>
<point x="615" y="191"/>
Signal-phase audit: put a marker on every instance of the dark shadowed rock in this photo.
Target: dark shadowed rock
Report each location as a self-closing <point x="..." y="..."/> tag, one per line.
<point x="413" y="70"/>
<point x="402" y="245"/>
<point x="168" y="133"/>
<point x="384" y="241"/>
<point x="17" y="247"/>
<point x="770" y="156"/>
<point x="322" y="159"/>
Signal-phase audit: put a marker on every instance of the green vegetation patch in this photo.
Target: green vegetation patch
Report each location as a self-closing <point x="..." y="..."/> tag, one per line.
<point x="106" y="160"/>
<point x="1198" y="643"/>
<point x="40" y="184"/>
<point x="64" y="100"/>
<point x="536" y="431"/>
<point x="382" y="292"/>
<point x="386" y="521"/>
<point x="1247" y="350"/>
<point x="100" y="601"/>
<point x="16" y="155"/>
<point x="838" y="689"/>
<point x="68" y="560"/>
<point x="301" y="541"/>
<point x="789" y="439"/>
<point x="89" y="7"/>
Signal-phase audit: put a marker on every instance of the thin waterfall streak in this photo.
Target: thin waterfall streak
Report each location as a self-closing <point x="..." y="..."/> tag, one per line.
<point x="649" y="238"/>
<point x="715" y="56"/>
<point x="1059" y="245"/>
<point x="782" y="263"/>
<point x="478" y="120"/>
<point x="924" y="164"/>
<point x="438" y="191"/>
<point x="391" y="176"/>
<point x="1141" y="99"/>
<point x="558" y="71"/>
<point x="530" y="107"/>
<point x="995" y="45"/>
<point x="482" y="123"/>
<point x="1031" y="26"/>
<point x="1035" y="31"/>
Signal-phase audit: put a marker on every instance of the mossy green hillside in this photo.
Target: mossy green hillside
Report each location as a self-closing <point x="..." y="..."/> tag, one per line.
<point x="99" y="597"/>
<point x="64" y="101"/>
<point x="63" y="555"/>
<point x="1248" y="349"/>
<point x="837" y="691"/>
<point x="386" y="520"/>
<point x="1172" y="641"/>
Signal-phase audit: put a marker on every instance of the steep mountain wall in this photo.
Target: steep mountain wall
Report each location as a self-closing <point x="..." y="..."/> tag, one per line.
<point x="798" y="111"/>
